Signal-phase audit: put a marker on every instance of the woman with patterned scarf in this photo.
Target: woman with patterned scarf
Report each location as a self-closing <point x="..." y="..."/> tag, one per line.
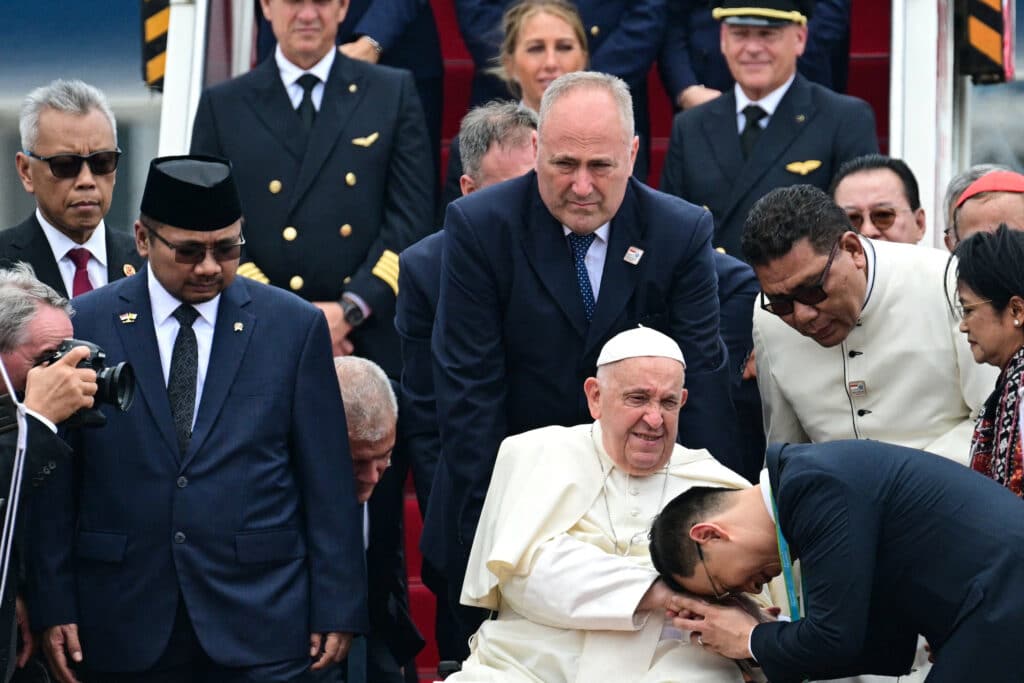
<point x="990" y="303"/>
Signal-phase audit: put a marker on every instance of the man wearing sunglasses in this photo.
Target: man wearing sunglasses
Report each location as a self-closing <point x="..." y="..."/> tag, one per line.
<point x="880" y="197"/>
<point x="212" y="532"/>
<point x="68" y="161"/>
<point x="853" y="337"/>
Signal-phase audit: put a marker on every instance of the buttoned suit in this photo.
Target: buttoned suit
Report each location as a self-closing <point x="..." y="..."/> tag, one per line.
<point x="329" y="212"/>
<point x="27" y="242"/>
<point x="894" y="543"/>
<point x="512" y="346"/>
<point x="256" y="525"/>
<point x="812" y="132"/>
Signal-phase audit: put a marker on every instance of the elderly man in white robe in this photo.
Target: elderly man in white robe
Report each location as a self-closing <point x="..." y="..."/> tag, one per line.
<point x="561" y="553"/>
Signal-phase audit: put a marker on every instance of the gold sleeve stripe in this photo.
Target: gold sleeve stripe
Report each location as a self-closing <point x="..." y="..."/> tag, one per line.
<point x="252" y="271"/>
<point x="387" y="269"/>
<point x="795" y="17"/>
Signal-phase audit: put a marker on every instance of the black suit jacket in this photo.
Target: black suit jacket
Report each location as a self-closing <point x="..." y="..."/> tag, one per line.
<point x="812" y="132"/>
<point x="354" y="194"/>
<point x="512" y="346"/>
<point x="26" y="242"/>
<point x="894" y="543"/>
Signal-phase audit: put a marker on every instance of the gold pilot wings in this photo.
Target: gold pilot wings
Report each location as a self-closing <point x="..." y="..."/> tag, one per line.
<point x="803" y="167"/>
<point x="366" y="141"/>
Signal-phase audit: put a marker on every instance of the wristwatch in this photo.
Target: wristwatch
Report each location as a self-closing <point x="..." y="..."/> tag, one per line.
<point x="353" y="314"/>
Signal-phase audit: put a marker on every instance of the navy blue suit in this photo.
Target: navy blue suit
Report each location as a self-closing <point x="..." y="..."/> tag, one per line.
<point x="512" y="346"/>
<point x="256" y="526"/>
<point x="894" y="543"/>
<point x="691" y="53"/>
<point x="27" y="242"/>
<point x="737" y="290"/>
<point x="355" y="193"/>
<point x="812" y="132"/>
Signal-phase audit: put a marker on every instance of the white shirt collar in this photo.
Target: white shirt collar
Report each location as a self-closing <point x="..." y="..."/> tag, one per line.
<point x="163" y="304"/>
<point x="290" y="72"/>
<point x="60" y="243"/>
<point x="769" y="102"/>
<point x="869" y="255"/>
<point x="766" y="493"/>
<point x="601" y="233"/>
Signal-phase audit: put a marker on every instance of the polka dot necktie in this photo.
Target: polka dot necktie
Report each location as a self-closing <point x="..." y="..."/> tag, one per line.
<point x="580" y="244"/>
<point x="181" y="383"/>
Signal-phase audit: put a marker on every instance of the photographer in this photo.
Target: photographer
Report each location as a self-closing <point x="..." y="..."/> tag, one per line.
<point x="34" y="319"/>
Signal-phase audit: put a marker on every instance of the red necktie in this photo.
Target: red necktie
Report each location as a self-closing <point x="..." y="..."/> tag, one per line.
<point x="80" y="257"/>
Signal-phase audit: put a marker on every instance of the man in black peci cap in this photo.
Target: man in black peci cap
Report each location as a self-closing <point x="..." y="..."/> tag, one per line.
<point x="212" y="532"/>
<point x="774" y="128"/>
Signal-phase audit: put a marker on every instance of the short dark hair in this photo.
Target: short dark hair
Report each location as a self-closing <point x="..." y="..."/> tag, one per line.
<point x="787" y="215"/>
<point x="992" y="265"/>
<point x="672" y="551"/>
<point x="873" y="162"/>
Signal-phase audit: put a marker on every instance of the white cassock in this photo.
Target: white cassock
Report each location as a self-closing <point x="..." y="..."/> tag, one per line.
<point x="905" y="373"/>
<point x="561" y="554"/>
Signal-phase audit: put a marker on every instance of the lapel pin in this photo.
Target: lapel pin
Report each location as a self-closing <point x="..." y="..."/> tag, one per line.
<point x="128" y="270"/>
<point x="633" y="255"/>
<point x="800" y="118"/>
<point x="803" y="167"/>
<point x="238" y="327"/>
<point x="367" y="141"/>
<point x="128" y="318"/>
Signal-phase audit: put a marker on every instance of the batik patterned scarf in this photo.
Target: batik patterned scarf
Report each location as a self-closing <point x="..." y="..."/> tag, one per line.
<point x="996" y="446"/>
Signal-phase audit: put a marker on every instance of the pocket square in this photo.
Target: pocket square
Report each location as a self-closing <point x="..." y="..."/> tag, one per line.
<point x="372" y="138"/>
<point x="803" y="167"/>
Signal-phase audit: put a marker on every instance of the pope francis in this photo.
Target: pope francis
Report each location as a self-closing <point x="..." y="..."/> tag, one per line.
<point x="561" y="553"/>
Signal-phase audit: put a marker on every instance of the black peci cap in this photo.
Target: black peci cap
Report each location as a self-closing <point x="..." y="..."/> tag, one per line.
<point x="191" y="192"/>
<point x="764" y="12"/>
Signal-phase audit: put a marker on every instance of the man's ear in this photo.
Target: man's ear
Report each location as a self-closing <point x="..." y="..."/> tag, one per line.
<point x="703" y="532"/>
<point x="592" y="389"/>
<point x="466" y="184"/>
<point x="141" y="239"/>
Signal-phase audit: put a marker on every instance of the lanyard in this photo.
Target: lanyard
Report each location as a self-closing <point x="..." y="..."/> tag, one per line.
<point x="787" y="567"/>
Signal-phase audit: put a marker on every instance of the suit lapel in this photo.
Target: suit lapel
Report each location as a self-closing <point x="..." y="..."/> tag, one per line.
<point x="794" y="113"/>
<point x="142" y="352"/>
<point x="269" y="101"/>
<point x="337" y="106"/>
<point x="35" y="249"/>
<point x="119" y="264"/>
<point x="231" y="336"/>
<point x="723" y="135"/>
<point x="619" y="277"/>
<point x="547" y="251"/>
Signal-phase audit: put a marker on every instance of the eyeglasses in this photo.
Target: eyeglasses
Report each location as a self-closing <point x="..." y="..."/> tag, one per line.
<point x="883" y="219"/>
<point x="719" y="594"/>
<point x="964" y="311"/>
<point x="809" y="295"/>
<point x="70" y="165"/>
<point x="193" y="253"/>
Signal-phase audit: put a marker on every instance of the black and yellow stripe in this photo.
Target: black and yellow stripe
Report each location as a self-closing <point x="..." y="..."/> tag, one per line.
<point x="983" y="41"/>
<point x="156" y="16"/>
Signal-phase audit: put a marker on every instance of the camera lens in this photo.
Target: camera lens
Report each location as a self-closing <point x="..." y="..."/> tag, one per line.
<point x="116" y="386"/>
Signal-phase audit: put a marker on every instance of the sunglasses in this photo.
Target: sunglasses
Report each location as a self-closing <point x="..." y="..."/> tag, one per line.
<point x="883" y="219"/>
<point x="809" y="295"/>
<point x="70" y="165"/>
<point x="193" y="253"/>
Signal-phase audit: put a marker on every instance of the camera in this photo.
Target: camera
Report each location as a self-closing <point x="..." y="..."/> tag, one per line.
<point x="115" y="385"/>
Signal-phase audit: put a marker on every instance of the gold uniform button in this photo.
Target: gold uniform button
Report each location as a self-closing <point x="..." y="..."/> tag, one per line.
<point x="720" y="250"/>
<point x="296" y="283"/>
<point x="290" y="233"/>
<point x="352" y="87"/>
<point x="274" y="186"/>
<point x="345" y="230"/>
<point x="594" y="30"/>
<point x="350" y="178"/>
<point x="346" y="281"/>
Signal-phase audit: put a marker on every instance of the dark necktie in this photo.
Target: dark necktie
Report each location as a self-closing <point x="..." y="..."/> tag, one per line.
<point x="80" y="257"/>
<point x="307" y="112"/>
<point x="751" y="131"/>
<point x="181" y="384"/>
<point x="580" y="244"/>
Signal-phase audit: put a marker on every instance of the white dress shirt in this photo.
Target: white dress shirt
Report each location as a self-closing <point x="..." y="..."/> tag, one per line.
<point x="166" y="327"/>
<point x="290" y="74"/>
<point x="61" y="244"/>
<point x="769" y="103"/>
<point x="596" y="254"/>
